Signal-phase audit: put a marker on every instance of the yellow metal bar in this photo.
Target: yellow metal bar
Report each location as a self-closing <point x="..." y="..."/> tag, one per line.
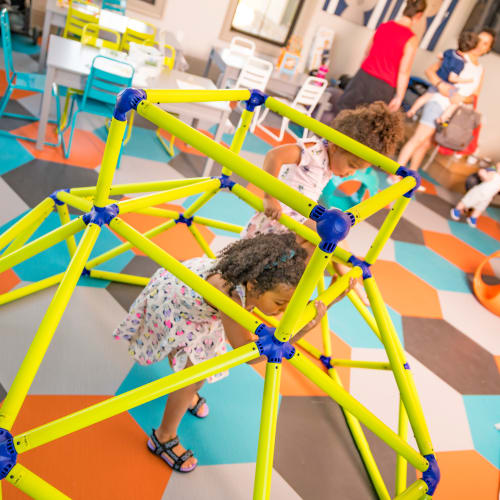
<point x="197" y="204"/>
<point x="41" y="244"/>
<point x="217" y="224"/>
<point x="370" y="365"/>
<point x="175" y="95"/>
<point x="18" y="293"/>
<point x="127" y="246"/>
<point x="135" y="397"/>
<point x="75" y="201"/>
<point x="332" y="135"/>
<point x="365" y="313"/>
<point x="159" y="212"/>
<point x="201" y="241"/>
<point x="36" y="352"/>
<point x="241" y="133"/>
<point x="205" y="289"/>
<point x="25" y="235"/>
<point x="227" y="158"/>
<point x="138" y="187"/>
<point x="304" y="344"/>
<point x="383" y="198"/>
<point x="325" y="327"/>
<point x="401" y="465"/>
<point x="63" y="212"/>
<point x="267" y="433"/>
<point x="416" y="491"/>
<point x="343" y="398"/>
<point x="401" y="374"/>
<point x="135" y="204"/>
<point x="33" y="485"/>
<point x="26" y="221"/>
<point x="119" y="277"/>
<point x="109" y="161"/>
<point x="387" y="228"/>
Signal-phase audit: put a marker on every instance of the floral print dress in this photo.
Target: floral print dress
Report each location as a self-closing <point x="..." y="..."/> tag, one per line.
<point x="169" y="318"/>
<point x="309" y="177"/>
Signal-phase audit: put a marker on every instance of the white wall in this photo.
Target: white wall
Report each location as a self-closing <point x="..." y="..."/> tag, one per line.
<point x="199" y="23"/>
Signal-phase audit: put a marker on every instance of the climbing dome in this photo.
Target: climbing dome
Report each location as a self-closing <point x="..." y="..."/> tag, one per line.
<point x="333" y="225"/>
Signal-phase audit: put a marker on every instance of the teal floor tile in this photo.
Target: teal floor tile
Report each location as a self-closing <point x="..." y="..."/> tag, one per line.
<point x="252" y="144"/>
<point x="13" y="154"/>
<point x="346" y="322"/>
<point x="229" y="434"/>
<point x="224" y="207"/>
<point x="427" y="177"/>
<point x="56" y="259"/>
<point x="493" y="212"/>
<point x="483" y="413"/>
<point x="431" y="267"/>
<point x="474" y="237"/>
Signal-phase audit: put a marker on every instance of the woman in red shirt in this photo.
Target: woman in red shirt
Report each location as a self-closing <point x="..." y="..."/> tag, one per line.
<point x="385" y="72"/>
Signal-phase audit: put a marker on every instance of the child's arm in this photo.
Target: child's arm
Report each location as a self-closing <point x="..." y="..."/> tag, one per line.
<point x="273" y="161"/>
<point x="454" y="78"/>
<point x="486" y="175"/>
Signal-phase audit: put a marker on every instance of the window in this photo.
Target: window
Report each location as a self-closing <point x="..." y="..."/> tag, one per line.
<point x="153" y="8"/>
<point x="268" y="20"/>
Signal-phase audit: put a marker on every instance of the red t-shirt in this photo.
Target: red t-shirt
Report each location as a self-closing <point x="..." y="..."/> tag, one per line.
<point x="386" y="52"/>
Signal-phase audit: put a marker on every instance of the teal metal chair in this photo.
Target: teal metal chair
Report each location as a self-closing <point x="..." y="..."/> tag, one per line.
<point x="115" y="5"/>
<point x="99" y="96"/>
<point x="332" y="197"/>
<point x="32" y="82"/>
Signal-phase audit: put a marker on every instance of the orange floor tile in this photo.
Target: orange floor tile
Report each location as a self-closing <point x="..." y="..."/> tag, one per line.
<point x="8" y="280"/>
<point x="489" y="226"/>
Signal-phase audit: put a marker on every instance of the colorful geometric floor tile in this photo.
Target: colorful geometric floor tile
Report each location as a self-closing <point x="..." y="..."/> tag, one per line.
<point x="489" y="226"/>
<point x="474" y="237"/>
<point x="16" y="94"/>
<point x="216" y="439"/>
<point x="425" y="218"/>
<point x="8" y="123"/>
<point x="404" y="231"/>
<point x="483" y="413"/>
<point x="8" y="280"/>
<point x="404" y="292"/>
<point x="107" y="460"/>
<point x="430" y="267"/>
<point x="252" y="143"/>
<point x="12" y="204"/>
<point x="13" y="154"/>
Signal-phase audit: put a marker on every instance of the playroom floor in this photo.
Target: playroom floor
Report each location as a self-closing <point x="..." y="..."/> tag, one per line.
<point x="452" y="343"/>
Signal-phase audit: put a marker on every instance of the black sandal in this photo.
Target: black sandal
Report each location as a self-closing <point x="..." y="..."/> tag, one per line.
<point x="172" y="459"/>
<point x="197" y="406"/>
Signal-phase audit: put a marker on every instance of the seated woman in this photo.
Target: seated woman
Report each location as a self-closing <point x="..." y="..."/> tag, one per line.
<point x="415" y="149"/>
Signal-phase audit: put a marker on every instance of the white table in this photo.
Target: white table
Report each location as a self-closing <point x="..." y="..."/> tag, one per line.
<point x="55" y="15"/>
<point x="69" y="62"/>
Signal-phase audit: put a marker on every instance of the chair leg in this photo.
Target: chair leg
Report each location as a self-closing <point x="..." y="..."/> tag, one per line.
<point x="5" y="99"/>
<point x="168" y="148"/>
<point x="67" y="149"/>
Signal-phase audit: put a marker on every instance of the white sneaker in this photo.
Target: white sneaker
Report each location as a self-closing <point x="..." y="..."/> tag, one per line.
<point x="471" y="221"/>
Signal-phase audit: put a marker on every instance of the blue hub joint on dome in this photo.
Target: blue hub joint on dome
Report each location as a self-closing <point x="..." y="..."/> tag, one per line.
<point x="408" y="172"/>
<point x="54" y="196"/>
<point x="8" y="453"/>
<point x="85" y="272"/>
<point x="101" y="215"/>
<point x="326" y="361"/>
<point x="225" y="182"/>
<point x="406" y="366"/>
<point x="257" y="98"/>
<point x="126" y="100"/>
<point x="271" y="347"/>
<point x="332" y="225"/>
<point x="365" y="267"/>
<point x="184" y="220"/>
<point x="432" y="475"/>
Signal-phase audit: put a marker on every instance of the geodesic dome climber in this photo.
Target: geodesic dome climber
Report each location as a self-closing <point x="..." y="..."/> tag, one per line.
<point x="332" y="226"/>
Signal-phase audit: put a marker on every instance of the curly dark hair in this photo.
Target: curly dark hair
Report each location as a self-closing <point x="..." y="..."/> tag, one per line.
<point x="413" y="7"/>
<point x="373" y="125"/>
<point x="266" y="260"/>
<point x="467" y="40"/>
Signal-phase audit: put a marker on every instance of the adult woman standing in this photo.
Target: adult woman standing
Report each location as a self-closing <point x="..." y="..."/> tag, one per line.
<point x="416" y="147"/>
<point x="385" y="71"/>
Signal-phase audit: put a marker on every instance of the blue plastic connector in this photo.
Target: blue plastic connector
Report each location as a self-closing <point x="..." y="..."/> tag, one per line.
<point x="332" y="225"/>
<point x="432" y="475"/>
<point x="85" y="272"/>
<point x="101" y="215"/>
<point x="406" y="366"/>
<point x="225" y="182"/>
<point x="326" y="361"/>
<point x="8" y="453"/>
<point x="54" y="196"/>
<point x="126" y="100"/>
<point x="363" y="265"/>
<point x="408" y="172"/>
<point x="188" y="221"/>
<point x="271" y="347"/>
<point x="257" y="98"/>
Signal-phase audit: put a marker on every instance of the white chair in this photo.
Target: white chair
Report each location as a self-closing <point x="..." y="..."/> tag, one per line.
<point x="255" y="75"/>
<point x="305" y="101"/>
<point x="242" y="46"/>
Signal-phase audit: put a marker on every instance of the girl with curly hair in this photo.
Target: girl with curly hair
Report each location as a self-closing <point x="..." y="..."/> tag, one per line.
<point x="169" y="319"/>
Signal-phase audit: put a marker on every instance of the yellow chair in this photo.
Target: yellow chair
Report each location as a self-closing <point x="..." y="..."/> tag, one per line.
<point x="132" y="35"/>
<point x="99" y="36"/>
<point x="80" y="13"/>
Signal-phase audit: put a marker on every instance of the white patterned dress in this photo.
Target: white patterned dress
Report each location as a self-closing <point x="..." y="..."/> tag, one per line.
<point x="169" y="317"/>
<point x="308" y="177"/>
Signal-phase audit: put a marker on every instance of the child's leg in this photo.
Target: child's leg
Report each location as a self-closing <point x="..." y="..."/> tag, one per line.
<point x="447" y="113"/>
<point x="418" y="104"/>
